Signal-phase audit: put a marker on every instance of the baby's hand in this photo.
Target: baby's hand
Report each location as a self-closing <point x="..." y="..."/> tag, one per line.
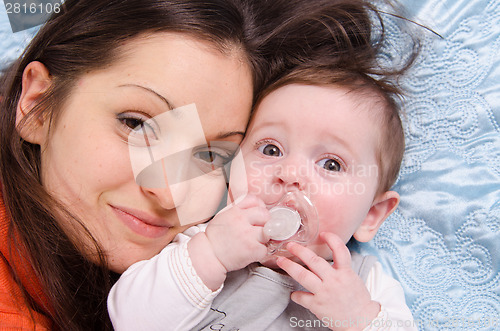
<point x="236" y="233"/>
<point x="338" y="296"/>
<point x="233" y="239"/>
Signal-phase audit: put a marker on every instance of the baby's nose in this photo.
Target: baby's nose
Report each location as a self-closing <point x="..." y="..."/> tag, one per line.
<point x="291" y="175"/>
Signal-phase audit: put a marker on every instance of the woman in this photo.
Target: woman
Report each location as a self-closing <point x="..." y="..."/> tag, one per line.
<point x="72" y="213"/>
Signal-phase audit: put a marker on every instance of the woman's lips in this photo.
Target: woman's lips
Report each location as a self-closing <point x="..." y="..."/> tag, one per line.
<point x="141" y="223"/>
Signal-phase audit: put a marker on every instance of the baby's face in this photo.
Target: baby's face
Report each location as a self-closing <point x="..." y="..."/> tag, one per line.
<point x="321" y="140"/>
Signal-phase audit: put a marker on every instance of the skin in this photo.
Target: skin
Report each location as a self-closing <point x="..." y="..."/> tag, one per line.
<point x="322" y="140"/>
<point x="85" y="156"/>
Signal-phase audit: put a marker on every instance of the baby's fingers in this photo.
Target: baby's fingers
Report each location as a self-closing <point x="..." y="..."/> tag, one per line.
<point x="340" y="253"/>
<point x="315" y="263"/>
<point x="305" y="299"/>
<point x="303" y="276"/>
<point x="250" y="201"/>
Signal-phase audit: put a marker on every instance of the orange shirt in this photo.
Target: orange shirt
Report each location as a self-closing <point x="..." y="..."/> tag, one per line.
<point x="15" y="314"/>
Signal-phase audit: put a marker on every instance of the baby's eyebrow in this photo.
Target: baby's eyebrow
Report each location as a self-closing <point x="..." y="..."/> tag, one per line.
<point x="332" y="138"/>
<point x="150" y="90"/>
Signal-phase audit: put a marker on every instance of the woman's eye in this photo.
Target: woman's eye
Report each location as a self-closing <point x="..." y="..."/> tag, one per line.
<point x="133" y="123"/>
<point x="330" y="164"/>
<point x="139" y="127"/>
<point x="213" y="158"/>
<point x="270" y="150"/>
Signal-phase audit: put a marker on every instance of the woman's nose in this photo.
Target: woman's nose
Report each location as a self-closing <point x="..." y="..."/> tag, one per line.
<point x="161" y="196"/>
<point x="167" y="188"/>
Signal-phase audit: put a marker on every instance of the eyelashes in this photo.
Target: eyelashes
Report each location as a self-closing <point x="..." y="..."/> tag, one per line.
<point x="272" y="149"/>
<point x="269" y="148"/>
<point x="142" y="131"/>
<point x="332" y="164"/>
<point x="140" y="128"/>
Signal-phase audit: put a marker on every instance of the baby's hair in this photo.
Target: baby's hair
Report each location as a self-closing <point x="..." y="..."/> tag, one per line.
<point x="344" y="48"/>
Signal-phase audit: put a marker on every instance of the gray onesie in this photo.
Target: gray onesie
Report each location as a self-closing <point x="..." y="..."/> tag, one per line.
<point x="257" y="298"/>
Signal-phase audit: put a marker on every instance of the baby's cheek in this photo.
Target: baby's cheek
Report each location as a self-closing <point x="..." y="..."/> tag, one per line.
<point x="255" y="179"/>
<point x="255" y="187"/>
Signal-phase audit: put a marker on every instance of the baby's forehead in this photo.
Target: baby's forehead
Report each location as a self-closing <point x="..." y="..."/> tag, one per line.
<point x="321" y="99"/>
<point x="312" y="109"/>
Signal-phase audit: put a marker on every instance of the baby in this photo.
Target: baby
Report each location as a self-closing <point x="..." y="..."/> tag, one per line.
<point x="335" y="137"/>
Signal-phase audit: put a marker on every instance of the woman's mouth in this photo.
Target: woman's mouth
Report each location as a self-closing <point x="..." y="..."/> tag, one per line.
<point x="141" y="223"/>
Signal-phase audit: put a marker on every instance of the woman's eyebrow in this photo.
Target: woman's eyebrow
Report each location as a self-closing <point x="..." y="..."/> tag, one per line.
<point x="161" y="97"/>
<point x="223" y="135"/>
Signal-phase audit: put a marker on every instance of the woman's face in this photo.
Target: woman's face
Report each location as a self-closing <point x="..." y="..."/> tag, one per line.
<point x="86" y="161"/>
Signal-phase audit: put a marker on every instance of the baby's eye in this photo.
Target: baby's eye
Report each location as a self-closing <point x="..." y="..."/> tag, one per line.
<point x="330" y="164"/>
<point x="270" y="150"/>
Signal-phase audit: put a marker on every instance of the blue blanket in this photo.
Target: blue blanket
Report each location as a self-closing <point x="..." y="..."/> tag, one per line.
<point x="443" y="241"/>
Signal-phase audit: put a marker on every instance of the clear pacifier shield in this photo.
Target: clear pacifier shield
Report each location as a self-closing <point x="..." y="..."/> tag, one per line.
<point x="294" y="218"/>
<point x="284" y="223"/>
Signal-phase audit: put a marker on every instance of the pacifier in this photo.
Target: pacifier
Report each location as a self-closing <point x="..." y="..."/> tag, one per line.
<point x="293" y="219"/>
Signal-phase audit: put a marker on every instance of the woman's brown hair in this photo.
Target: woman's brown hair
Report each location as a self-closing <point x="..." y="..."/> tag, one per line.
<point x="86" y="36"/>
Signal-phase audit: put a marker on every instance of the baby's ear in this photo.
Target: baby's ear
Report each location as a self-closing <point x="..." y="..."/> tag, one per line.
<point x="383" y="205"/>
<point x="36" y="80"/>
